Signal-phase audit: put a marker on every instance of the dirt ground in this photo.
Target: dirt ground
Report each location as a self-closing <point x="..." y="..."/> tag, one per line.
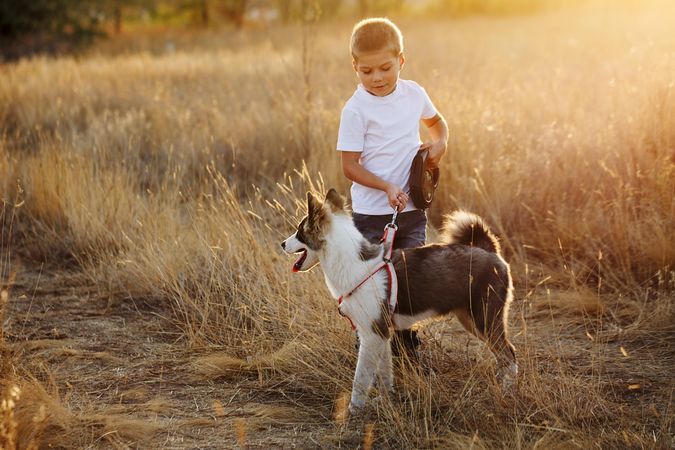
<point x="121" y="369"/>
<point x="122" y="360"/>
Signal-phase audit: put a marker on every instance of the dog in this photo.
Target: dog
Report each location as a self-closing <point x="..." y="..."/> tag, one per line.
<point x="465" y="275"/>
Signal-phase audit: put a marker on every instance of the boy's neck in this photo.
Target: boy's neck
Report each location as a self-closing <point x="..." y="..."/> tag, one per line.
<point x="381" y="96"/>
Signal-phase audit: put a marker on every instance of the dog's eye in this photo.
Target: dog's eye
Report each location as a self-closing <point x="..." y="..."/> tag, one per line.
<point x="300" y="234"/>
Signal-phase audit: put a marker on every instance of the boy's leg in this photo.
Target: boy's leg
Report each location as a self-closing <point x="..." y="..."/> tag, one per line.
<point x="372" y="228"/>
<point x="412" y="233"/>
<point x="412" y="229"/>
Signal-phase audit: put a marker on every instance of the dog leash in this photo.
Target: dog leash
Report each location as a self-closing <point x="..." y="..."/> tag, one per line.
<point x="388" y="241"/>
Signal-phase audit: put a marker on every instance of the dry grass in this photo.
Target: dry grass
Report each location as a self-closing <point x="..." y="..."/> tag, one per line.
<point x="36" y="418"/>
<point x="176" y="175"/>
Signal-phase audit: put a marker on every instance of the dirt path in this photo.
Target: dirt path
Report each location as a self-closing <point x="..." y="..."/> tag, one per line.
<point x="119" y="366"/>
<point x="116" y="372"/>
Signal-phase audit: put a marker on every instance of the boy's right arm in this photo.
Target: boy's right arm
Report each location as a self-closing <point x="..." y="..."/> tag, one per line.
<point x="355" y="172"/>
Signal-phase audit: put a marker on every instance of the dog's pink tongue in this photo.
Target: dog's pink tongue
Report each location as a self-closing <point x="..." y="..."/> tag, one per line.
<point x="298" y="263"/>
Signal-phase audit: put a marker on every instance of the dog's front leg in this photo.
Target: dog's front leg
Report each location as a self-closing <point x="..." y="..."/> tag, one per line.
<point x="371" y="352"/>
<point x="385" y="374"/>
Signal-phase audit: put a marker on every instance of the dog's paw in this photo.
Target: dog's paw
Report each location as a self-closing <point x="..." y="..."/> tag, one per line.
<point x="356" y="408"/>
<point x="383" y="397"/>
<point x="385" y="387"/>
<point x="388" y="391"/>
<point x="509" y="387"/>
<point x="508" y="379"/>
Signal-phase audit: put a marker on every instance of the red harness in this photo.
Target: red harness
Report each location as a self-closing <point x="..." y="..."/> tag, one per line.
<point x="388" y="241"/>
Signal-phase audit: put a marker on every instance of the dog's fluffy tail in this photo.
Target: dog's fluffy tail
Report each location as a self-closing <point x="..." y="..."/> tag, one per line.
<point x="465" y="228"/>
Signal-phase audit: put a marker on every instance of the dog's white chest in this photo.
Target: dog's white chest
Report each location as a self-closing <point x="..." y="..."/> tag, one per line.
<point x="363" y="306"/>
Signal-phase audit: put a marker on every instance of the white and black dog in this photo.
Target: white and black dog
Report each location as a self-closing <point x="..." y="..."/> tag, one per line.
<point x="465" y="275"/>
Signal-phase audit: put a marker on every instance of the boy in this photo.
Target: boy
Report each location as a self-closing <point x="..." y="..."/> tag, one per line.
<point x="379" y="137"/>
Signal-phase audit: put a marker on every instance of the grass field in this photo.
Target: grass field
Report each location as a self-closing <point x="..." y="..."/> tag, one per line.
<point x="147" y="185"/>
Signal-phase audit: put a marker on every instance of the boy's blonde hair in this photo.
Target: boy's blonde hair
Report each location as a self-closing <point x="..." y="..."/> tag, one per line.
<point x="375" y="34"/>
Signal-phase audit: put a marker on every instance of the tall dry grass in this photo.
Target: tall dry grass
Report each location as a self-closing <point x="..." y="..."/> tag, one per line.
<point x="176" y="175"/>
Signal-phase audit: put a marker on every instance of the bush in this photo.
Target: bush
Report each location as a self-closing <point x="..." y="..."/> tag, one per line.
<point x="48" y="26"/>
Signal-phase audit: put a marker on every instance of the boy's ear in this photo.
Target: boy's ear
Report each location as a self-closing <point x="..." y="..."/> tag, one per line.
<point x="335" y="201"/>
<point x="401" y="59"/>
<point x="354" y="65"/>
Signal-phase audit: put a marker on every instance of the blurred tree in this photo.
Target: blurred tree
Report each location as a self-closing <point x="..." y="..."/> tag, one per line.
<point x="233" y="10"/>
<point x="303" y="10"/>
<point x="198" y="9"/>
<point x="203" y="11"/>
<point x="115" y="9"/>
<point x="117" y="16"/>
<point x="48" y="25"/>
<point x="491" y="7"/>
<point x="378" y="7"/>
<point x="285" y="10"/>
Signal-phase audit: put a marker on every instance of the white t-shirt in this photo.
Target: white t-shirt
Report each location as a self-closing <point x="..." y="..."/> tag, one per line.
<point x="386" y="130"/>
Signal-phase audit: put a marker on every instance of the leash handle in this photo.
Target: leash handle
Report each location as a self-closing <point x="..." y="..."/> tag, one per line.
<point x="388" y="237"/>
<point x="392" y="224"/>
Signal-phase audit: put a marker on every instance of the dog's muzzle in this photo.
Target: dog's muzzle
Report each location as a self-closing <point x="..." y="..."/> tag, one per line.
<point x="293" y="246"/>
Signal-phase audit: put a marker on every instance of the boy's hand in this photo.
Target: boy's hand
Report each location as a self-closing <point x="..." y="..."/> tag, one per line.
<point x="436" y="152"/>
<point x="397" y="198"/>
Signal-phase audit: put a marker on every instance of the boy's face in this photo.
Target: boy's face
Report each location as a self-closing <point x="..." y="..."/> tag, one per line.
<point x="378" y="71"/>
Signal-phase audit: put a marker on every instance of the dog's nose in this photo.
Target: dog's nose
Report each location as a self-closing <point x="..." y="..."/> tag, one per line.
<point x="283" y="245"/>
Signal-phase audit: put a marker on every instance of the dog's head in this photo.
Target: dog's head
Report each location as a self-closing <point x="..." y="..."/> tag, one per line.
<point x="309" y="238"/>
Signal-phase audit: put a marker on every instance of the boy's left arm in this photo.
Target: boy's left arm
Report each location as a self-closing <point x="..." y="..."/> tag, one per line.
<point x="438" y="130"/>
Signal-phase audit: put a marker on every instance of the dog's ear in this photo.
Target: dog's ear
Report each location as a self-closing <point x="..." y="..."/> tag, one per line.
<point x="313" y="204"/>
<point x="316" y="213"/>
<point x="335" y="200"/>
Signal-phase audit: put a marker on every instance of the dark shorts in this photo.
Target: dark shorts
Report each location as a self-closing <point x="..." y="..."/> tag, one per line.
<point x="412" y="228"/>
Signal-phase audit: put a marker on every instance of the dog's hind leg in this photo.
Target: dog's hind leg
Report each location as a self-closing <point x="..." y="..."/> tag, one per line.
<point x="486" y="319"/>
<point x="372" y="350"/>
<point x="505" y="353"/>
<point x="495" y="326"/>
